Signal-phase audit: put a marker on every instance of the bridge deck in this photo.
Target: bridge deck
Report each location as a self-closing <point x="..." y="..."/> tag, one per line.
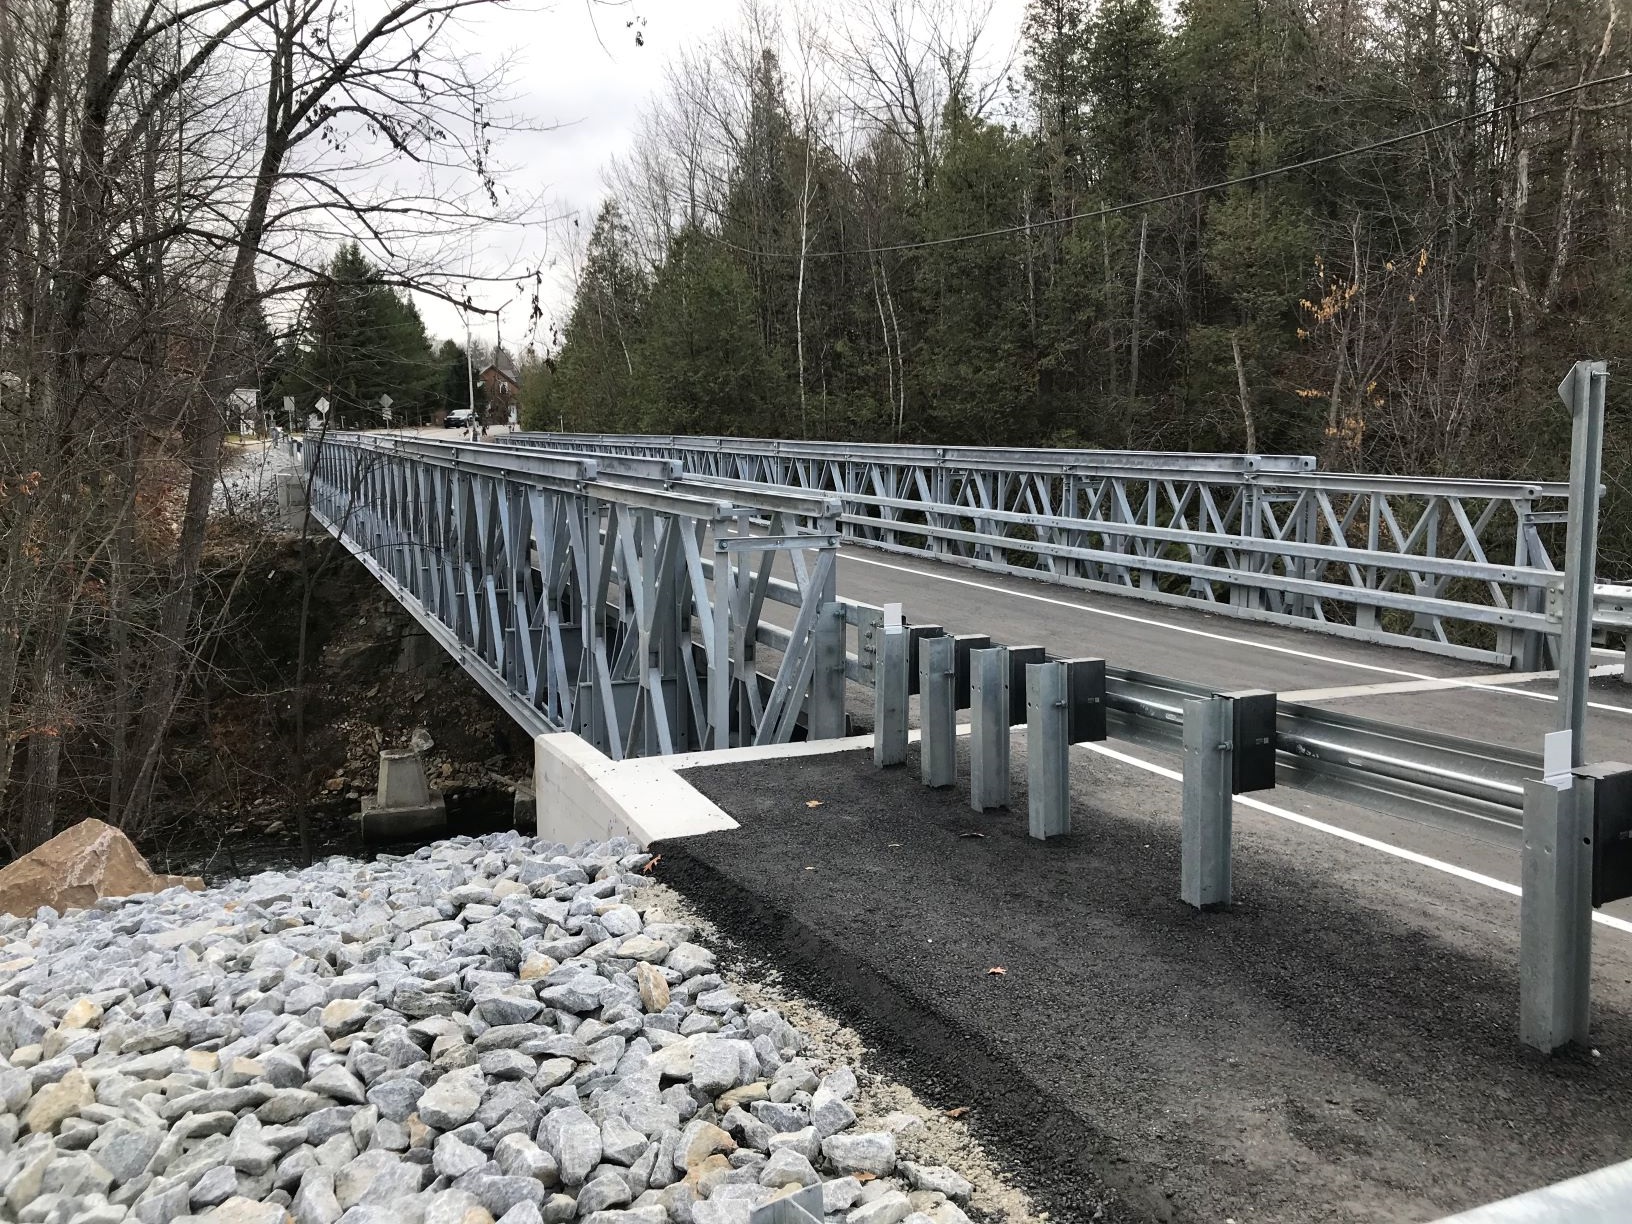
<point x="1396" y="685"/>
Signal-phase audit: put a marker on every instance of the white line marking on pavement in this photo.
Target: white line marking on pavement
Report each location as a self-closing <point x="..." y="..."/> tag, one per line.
<point x="1360" y="839"/>
<point x="1430" y="686"/>
<point x="1494" y="686"/>
<point x="1141" y="620"/>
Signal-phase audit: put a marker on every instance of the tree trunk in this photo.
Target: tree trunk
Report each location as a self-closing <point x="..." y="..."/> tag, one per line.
<point x="1138" y="290"/>
<point x="1246" y="400"/>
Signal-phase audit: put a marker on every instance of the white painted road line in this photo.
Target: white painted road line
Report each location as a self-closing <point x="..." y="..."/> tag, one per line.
<point x="1138" y="620"/>
<point x="1432" y="686"/>
<point x="1495" y="685"/>
<point x="1359" y="839"/>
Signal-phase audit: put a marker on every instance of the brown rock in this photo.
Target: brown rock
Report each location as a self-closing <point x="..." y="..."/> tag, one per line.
<point x="535" y="966"/>
<point x="57" y="1101"/>
<point x="83" y="1014"/>
<point x="654" y="987"/>
<point x="710" y="1167"/>
<point x="702" y="1143"/>
<point x="77" y="867"/>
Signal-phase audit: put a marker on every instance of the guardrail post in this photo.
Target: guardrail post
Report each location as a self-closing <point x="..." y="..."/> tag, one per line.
<point x="1555" y="914"/>
<point x="1048" y="765"/>
<point x="1204" y="854"/>
<point x="937" y="717"/>
<point x="989" y="735"/>
<point x="827" y="680"/>
<point x="890" y="684"/>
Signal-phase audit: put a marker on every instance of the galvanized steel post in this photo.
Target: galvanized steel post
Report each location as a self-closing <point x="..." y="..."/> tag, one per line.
<point x="1204" y="853"/>
<point x="1555" y="914"/>
<point x="827" y="719"/>
<point x="1582" y="391"/>
<point x="890" y="684"/>
<point x="1048" y="763"/>
<point x="989" y="733"/>
<point x="937" y="718"/>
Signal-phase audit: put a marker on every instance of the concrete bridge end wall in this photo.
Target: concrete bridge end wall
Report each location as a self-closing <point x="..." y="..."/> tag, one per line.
<point x="582" y="793"/>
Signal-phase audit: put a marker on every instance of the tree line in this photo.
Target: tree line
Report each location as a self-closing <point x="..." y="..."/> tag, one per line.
<point x="358" y="337"/>
<point x="174" y="180"/>
<point x="787" y="251"/>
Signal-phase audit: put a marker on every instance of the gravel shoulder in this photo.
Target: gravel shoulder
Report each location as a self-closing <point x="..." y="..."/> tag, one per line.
<point x="488" y="1030"/>
<point x="1338" y="1046"/>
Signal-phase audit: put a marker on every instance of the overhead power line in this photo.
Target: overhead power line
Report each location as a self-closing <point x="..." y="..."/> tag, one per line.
<point x="1221" y="185"/>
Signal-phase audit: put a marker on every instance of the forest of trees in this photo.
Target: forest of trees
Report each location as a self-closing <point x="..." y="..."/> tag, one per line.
<point x="777" y="257"/>
<point x="358" y="338"/>
<point x="175" y="181"/>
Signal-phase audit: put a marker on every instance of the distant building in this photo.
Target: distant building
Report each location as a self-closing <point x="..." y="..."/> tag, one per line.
<point x="502" y="387"/>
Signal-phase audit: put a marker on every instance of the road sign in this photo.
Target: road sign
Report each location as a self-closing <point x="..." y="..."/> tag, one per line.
<point x="385" y="407"/>
<point x="322" y="405"/>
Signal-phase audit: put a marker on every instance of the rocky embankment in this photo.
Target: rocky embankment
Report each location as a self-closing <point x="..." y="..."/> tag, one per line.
<point x="490" y="1029"/>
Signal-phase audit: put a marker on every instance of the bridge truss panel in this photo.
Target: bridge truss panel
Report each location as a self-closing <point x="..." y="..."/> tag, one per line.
<point x="1461" y="567"/>
<point x="591" y="598"/>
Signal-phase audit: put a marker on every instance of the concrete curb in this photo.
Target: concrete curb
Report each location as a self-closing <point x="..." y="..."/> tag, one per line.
<point x="583" y="793"/>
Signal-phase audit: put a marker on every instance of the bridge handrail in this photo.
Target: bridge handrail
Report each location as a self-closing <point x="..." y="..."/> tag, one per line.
<point x="1008" y="458"/>
<point x="1457" y="566"/>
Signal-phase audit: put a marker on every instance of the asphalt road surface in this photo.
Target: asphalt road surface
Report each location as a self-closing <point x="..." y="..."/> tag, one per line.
<point x="1339" y="1045"/>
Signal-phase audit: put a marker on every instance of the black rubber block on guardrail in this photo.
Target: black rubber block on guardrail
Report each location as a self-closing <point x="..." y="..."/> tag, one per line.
<point x="1021" y="657"/>
<point x="1085" y="691"/>
<point x="915" y="635"/>
<point x="962" y="644"/>
<point x="1253" y="734"/>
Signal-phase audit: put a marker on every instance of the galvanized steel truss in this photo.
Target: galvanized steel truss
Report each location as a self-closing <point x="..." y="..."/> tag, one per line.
<point x="1461" y="567"/>
<point x="604" y="597"/>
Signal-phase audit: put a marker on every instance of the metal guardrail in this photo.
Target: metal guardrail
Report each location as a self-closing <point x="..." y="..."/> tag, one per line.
<point x="1459" y="567"/>
<point x="602" y="596"/>
<point x="1405" y="771"/>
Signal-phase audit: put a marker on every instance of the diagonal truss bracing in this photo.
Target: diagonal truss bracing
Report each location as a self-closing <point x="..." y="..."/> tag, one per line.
<point x="1461" y="567"/>
<point x="606" y="596"/>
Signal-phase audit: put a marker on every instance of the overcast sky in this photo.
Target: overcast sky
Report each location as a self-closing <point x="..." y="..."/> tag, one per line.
<point x="577" y="66"/>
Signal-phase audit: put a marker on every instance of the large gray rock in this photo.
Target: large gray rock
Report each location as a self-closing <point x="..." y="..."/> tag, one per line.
<point x="571" y="1136"/>
<point x="452" y="1100"/>
<point x="938" y="1178"/>
<point x="872" y="1152"/>
<point x="499" y="1193"/>
<point x="314" y="1202"/>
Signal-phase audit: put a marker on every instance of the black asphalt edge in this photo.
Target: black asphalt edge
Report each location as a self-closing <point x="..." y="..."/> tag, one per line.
<point x="1037" y="1142"/>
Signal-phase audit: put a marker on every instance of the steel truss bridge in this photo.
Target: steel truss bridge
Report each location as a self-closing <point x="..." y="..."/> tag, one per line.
<point x="1459" y="567"/>
<point x="615" y="597"/>
<point x="664" y="595"/>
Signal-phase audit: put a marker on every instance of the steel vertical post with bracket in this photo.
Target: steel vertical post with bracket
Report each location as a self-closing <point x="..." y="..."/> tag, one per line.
<point x="937" y="714"/>
<point x="989" y="716"/>
<point x="890" y="685"/>
<point x="1555" y="909"/>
